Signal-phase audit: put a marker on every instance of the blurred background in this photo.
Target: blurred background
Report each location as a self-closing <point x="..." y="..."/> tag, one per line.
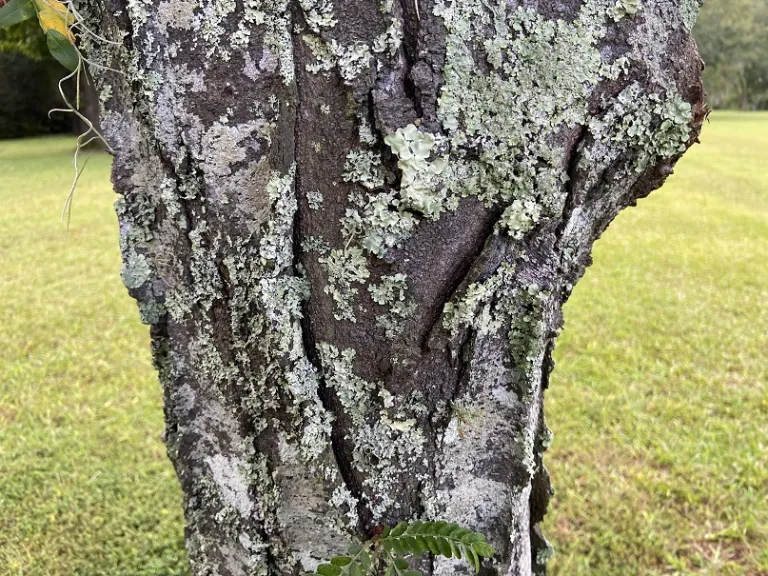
<point x="659" y="401"/>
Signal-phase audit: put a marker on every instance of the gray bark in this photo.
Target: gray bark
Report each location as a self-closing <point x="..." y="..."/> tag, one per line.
<point x="351" y="226"/>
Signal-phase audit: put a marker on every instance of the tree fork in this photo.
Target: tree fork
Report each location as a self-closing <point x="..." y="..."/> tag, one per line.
<point x="352" y="225"/>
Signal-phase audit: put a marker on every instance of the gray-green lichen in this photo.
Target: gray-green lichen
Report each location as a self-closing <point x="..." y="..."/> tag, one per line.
<point x="385" y="6"/>
<point x="350" y="60"/>
<point x="496" y="304"/>
<point x="421" y="188"/>
<point x="624" y="8"/>
<point x="547" y="67"/>
<point x="151" y="312"/>
<point x="318" y="14"/>
<point x="654" y="126"/>
<point x="315" y="199"/>
<point x="344" y="269"/>
<point x="476" y="308"/>
<point x="136" y="270"/>
<point x="537" y="75"/>
<point x="364" y="168"/>
<point x="377" y="222"/>
<point x="315" y="244"/>
<point x="390" y="40"/>
<point x="386" y="444"/>
<point x="391" y="293"/>
<point x="281" y="296"/>
<point x="689" y="11"/>
<point x="221" y="144"/>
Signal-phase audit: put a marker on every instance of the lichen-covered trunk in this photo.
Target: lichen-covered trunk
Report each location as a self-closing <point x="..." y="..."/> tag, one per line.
<point x="351" y="226"/>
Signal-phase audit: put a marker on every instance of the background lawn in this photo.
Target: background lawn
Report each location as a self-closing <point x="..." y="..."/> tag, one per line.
<point x="85" y="485"/>
<point x="659" y="402"/>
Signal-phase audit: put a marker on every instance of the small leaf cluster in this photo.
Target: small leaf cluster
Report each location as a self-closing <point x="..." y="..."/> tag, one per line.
<point x="391" y="552"/>
<point x="59" y="19"/>
<point x="56" y="20"/>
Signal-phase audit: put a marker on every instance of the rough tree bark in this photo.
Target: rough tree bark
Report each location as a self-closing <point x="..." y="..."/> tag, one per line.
<point x="351" y="226"/>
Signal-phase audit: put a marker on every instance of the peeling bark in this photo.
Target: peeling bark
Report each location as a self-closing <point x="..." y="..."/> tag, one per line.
<point x="352" y="226"/>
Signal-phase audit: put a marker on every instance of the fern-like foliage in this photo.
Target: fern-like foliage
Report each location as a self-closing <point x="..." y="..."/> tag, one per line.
<point x="391" y="552"/>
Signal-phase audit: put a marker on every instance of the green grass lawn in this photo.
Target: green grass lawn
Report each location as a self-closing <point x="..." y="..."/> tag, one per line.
<point x="659" y="402"/>
<point x="85" y="486"/>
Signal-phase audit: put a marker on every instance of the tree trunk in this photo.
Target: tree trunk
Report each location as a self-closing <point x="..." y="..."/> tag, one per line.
<point x="351" y="226"/>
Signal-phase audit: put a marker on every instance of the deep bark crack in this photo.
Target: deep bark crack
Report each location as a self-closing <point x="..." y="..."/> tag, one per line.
<point x="343" y="461"/>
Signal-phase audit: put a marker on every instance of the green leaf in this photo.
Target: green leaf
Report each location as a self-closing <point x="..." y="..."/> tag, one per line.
<point x="435" y="527"/>
<point x="431" y="543"/>
<point x="473" y="538"/>
<point x="415" y="526"/>
<point x="444" y="546"/>
<point x="423" y="544"/>
<point x="472" y="558"/>
<point x="63" y="50"/>
<point x="398" y="530"/>
<point x="401" y="563"/>
<point x="455" y="549"/>
<point x="412" y="544"/>
<point x="461" y="533"/>
<point x="483" y="549"/>
<point x="16" y="11"/>
<point x="398" y="547"/>
<point x="406" y="540"/>
<point x="365" y="560"/>
<point x="328" y="570"/>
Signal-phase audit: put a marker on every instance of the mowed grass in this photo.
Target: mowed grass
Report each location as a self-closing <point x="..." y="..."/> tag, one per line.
<point x="85" y="485"/>
<point x="659" y="400"/>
